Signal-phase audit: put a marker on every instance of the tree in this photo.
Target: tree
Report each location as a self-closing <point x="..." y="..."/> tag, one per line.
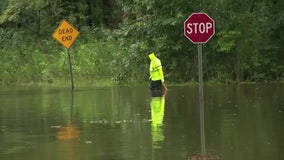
<point x="247" y="44"/>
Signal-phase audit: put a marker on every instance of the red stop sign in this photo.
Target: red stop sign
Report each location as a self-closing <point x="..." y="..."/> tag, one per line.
<point x="199" y="28"/>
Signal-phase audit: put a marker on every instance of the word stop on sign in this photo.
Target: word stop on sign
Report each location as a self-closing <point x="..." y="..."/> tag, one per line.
<point x="196" y="28"/>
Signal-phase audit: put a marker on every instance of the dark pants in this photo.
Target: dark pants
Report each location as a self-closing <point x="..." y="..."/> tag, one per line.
<point x="156" y="85"/>
<point x="156" y="88"/>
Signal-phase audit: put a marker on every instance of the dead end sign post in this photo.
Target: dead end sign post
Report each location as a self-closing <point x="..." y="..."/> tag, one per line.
<point x="66" y="34"/>
<point x="199" y="28"/>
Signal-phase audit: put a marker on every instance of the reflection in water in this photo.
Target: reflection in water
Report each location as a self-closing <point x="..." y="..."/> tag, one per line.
<point x="70" y="131"/>
<point x="157" y="115"/>
<point x="67" y="133"/>
<point x="203" y="154"/>
<point x="242" y="123"/>
<point x="204" y="157"/>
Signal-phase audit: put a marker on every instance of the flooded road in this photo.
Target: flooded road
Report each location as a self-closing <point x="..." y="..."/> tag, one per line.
<point x="127" y="123"/>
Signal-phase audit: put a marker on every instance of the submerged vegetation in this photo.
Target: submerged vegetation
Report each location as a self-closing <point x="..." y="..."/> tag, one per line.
<point x="116" y="34"/>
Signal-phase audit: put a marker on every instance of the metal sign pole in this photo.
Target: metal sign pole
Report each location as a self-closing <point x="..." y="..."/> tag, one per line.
<point x="200" y="34"/>
<point x="201" y="100"/>
<point x="70" y="70"/>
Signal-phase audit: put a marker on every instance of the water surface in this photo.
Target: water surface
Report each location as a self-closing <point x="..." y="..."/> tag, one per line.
<point x="127" y="123"/>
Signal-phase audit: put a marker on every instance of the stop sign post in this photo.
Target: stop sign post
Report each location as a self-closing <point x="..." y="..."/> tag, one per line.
<point x="199" y="28"/>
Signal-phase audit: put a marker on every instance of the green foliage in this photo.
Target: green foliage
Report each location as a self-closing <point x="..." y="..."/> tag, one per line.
<point x="227" y="41"/>
<point x="115" y="35"/>
<point x="10" y="10"/>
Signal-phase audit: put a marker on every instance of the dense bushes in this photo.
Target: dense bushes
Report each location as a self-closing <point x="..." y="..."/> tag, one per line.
<point x="115" y="35"/>
<point x="102" y="58"/>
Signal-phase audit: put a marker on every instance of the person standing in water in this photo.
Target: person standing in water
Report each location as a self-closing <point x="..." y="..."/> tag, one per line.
<point x="156" y="74"/>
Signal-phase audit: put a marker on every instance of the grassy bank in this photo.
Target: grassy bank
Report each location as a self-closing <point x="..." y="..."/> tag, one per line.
<point x="84" y="83"/>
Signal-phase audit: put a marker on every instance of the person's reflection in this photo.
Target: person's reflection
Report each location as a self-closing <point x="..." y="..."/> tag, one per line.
<point x="70" y="131"/>
<point x="157" y="114"/>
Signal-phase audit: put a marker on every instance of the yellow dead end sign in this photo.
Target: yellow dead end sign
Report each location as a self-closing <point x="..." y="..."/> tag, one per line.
<point x="65" y="34"/>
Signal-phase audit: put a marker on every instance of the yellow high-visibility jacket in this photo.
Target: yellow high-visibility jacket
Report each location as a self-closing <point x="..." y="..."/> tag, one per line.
<point x="156" y="71"/>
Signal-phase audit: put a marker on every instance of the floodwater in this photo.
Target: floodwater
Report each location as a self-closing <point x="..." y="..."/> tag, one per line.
<point x="127" y="123"/>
